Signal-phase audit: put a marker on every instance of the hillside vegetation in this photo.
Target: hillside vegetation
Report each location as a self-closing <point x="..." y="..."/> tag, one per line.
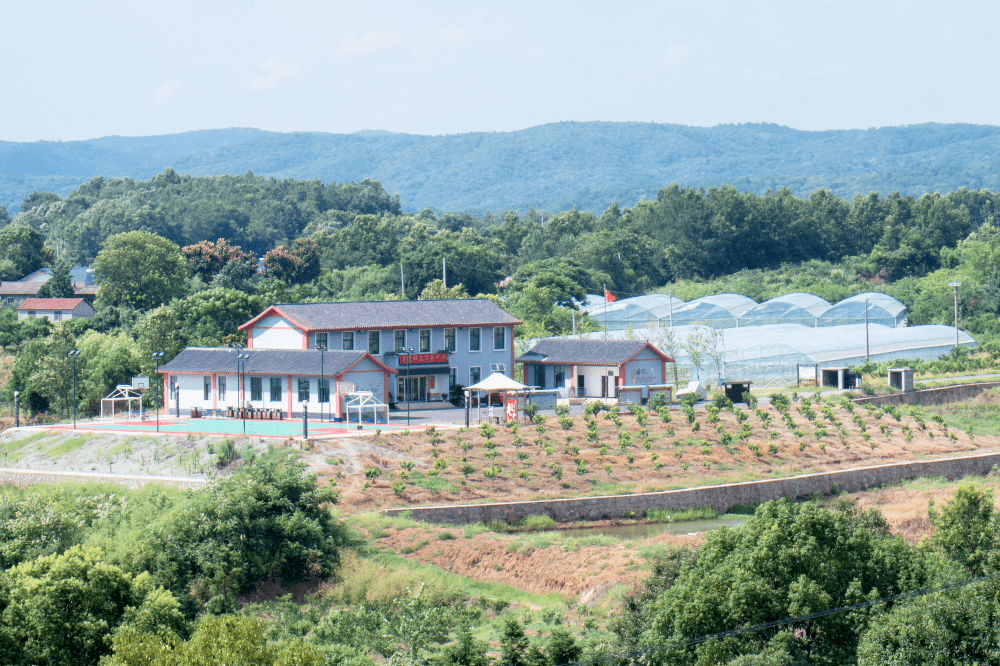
<point x="550" y="167"/>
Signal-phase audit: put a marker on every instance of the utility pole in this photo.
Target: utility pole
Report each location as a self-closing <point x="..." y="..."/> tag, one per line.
<point x="73" y="355"/>
<point x="444" y="271"/>
<point x="156" y="378"/>
<point x="402" y="282"/>
<point x="954" y="288"/>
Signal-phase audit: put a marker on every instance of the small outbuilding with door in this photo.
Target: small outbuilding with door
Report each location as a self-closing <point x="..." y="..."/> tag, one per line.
<point x="593" y="368"/>
<point x="208" y="379"/>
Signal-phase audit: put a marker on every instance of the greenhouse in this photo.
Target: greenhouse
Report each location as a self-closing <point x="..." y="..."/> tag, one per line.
<point x="635" y="312"/>
<point x="778" y="355"/>
<point x="797" y="308"/>
<point x="734" y="310"/>
<point x="882" y="309"/>
<point x="701" y="312"/>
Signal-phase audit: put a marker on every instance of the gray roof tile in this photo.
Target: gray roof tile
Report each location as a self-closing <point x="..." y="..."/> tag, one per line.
<point x="262" y="361"/>
<point x="396" y="314"/>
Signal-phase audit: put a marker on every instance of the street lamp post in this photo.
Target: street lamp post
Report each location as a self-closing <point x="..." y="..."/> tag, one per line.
<point x="954" y="288"/>
<point x="409" y="355"/>
<point x="322" y="377"/>
<point x="73" y="355"/>
<point x="156" y="378"/>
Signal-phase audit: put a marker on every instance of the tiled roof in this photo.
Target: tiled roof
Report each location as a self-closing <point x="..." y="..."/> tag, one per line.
<point x="394" y="314"/>
<point x="584" y="352"/>
<point x="20" y="288"/>
<point x="262" y="361"/>
<point x="50" y="304"/>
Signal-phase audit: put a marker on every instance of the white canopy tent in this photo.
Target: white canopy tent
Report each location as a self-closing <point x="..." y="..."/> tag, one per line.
<point x="495" y="383"/>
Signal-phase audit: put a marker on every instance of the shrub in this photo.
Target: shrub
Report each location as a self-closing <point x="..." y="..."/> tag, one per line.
<point x="721" y="401"/>
<point x="780" y="401"/>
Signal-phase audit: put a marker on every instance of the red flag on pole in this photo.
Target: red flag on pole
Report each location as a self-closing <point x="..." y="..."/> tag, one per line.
<point x="608" y="298"/>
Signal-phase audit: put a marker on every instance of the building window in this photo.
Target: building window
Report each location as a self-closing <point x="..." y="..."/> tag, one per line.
<point x="324" y="390"/>
<point x="222" y="388"/>
<point x="31" y="313"/>
<point x="256" y="388"/>
<point x="452" y="378"/>
<point x="499" y="338"/>
<point x="303" y="390"/>
<point x="321" y="340"/>
<point x="425" y="340"/>
<point x="475" y="372"/>
<point x="208" y="387"/>
<point x="173" y="387"/>
<point x="373" y="337"/>
<point x="400" y="338"/>
<point x="539" y="375"/>
<point x="275" y="389"/>
<point x="474" y="343"/>
<point x="57" y="315"/>
<point x="449" y="339"/>
<point x="347" y="341"/>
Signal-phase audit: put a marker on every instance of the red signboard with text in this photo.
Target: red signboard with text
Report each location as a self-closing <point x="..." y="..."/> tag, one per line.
<point x="420" y="359"/>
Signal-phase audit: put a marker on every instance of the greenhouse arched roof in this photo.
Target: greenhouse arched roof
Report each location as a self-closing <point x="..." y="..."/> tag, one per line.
<point x="797" y="308"/>
<point x="882" y="309"/>
<point x="736" y="304"/>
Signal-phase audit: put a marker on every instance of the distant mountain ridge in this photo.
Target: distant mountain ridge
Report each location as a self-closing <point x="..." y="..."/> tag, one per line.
<point x="551" y="167"/>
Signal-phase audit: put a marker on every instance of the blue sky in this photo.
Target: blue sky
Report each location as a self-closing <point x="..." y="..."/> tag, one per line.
<point x="82" y="70"/>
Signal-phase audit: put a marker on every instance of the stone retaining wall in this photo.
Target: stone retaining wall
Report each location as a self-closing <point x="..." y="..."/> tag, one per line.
<point x="722" y="498"/>
<point x="931" y="396"/>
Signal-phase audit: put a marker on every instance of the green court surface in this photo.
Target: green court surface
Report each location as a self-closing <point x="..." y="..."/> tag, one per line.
<point x="217" y="426"/>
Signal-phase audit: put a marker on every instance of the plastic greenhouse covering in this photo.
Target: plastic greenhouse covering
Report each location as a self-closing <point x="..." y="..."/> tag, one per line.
<point x="882" y="309"/>
<point x="771" y="355"/>
<point x="736" y="311"/>
<point x="795" y="308"/>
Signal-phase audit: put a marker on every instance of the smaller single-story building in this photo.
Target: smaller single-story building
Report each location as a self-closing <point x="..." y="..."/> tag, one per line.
<point x="593" y="368"/>
<point x="285" y="379"/>
<point x="55" y="309"/>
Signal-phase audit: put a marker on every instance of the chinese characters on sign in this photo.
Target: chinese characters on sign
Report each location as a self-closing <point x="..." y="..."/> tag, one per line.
<point x="415" y="359"/>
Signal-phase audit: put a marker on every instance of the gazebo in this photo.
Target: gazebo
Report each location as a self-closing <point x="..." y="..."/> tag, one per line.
<point x="495" y="383"/>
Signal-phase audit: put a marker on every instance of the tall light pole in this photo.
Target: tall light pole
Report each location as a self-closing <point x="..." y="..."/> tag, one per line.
<point x="322" y="376"/>
<point x="156" y="378"/>
<point x="954" y="289"/>
<point x="73" y="355"/>
<point x="409" y="358"/>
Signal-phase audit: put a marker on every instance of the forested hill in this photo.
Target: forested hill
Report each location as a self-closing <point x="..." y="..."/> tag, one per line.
<point x="551" y="167"/>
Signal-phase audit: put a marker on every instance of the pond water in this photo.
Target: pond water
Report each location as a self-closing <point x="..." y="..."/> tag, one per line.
<point x="645" y="530"/>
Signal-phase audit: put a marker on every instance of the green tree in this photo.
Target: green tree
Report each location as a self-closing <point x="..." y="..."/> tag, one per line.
<point x="140" y="270"/>
<point x="952" y="627"/>
<point x="20" y="251"/>
<point x="224" y="639"/>
<point x="787" y="560"/>
<point x="966" y="528"/>
<point x="435" y="291"/>
<point x="59" y="285"/>
<point x="64" y="609"/>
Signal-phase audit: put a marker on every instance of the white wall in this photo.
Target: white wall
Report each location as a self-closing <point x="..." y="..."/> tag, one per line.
<point x="276" y="333"/>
